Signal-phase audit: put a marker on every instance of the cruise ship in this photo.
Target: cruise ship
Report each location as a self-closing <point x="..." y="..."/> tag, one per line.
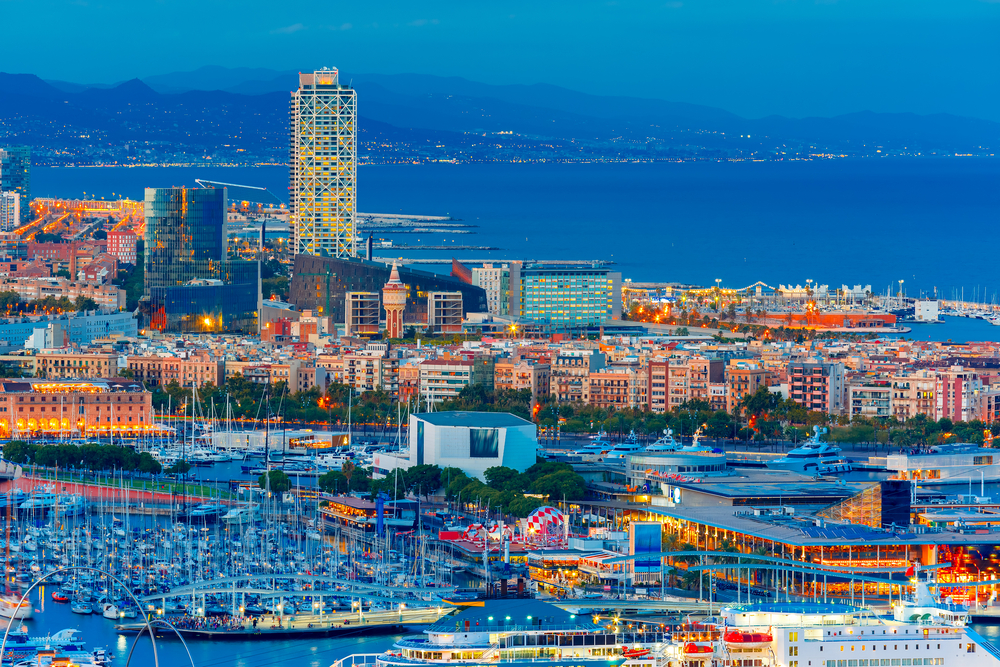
<point x="920" y="631"/>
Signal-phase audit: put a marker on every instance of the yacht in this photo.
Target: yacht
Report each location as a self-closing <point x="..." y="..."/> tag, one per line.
<point x="39" y="501"/>
<point x="813" y="457"/>
<point x="696" y="445"/>
<point x="618" y="453"/>
<point x="664" y="443"/>
<point x="241" y="515"/>
<point x="593" y="451"/>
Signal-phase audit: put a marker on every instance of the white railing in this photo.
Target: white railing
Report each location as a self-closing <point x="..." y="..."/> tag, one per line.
<point x="357" y="660"/>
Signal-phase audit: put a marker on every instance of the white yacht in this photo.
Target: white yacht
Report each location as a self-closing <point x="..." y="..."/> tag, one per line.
<point x="618" y="453"/>
<point x="9" y="607"/>
<point x="813" y="457"/>
<point x="664" y="443"/>
<point x="593" y="451"/>
<point x="241" y="515"/>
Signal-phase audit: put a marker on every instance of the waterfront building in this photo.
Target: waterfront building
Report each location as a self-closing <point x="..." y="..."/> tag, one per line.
<point x="361" y="314"/>
<point x="323" y="164"/>
<point x="472" y="441"/>
<point x="15" y="176"/>
<point x="444" y="312"/>
<point x="817" y="386"/>
<point x="441" y="379"/>
<point x="10" y="211"/>
<point x="190" y="283"/>
<point x="565" y="295"/>
<point x="495" y="280"/>
<point x="615" y="388"/>
<point x="321" y="283"/>
<point x="394" y="302"/>
<point x="913" y="394"/>
<point x="297" y="374"/>
<point x="33" y="407"/>
<point x="64" y="364"/>
<point x="704" y="372"/>
<point x="122" y="246"/>
<point x="198" y="368"/>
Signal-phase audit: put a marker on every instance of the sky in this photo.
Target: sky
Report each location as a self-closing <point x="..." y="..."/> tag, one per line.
<point x="752" y="57"/>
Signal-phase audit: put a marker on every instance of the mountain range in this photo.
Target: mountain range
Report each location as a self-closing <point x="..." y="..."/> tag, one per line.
<point x="245" y="109"/>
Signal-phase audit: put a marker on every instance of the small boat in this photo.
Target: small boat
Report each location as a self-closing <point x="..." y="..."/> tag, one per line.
<point x="737" y="639"/>
<point x="81" y="608"/>
<point x="59" y="596"/>
<point x="635" y="653"/>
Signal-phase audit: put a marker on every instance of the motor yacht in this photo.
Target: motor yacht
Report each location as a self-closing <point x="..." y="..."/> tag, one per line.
<point x="241" y="515"/>
<point x="813" y="457"/>
<point x="664" y="443"/>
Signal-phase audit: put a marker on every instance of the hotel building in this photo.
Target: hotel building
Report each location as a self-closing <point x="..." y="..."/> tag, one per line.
<point x="323" y="163"/>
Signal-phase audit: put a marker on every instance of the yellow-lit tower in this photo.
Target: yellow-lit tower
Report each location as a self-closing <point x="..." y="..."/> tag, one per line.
<point x="394" y="301"/>
<point x="323" y="165"/>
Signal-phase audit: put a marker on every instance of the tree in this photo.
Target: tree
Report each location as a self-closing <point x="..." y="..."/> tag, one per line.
<point x="277" y="480"/>
<point x="148" y="465"/>
<point x="567" y="485"/>
<point x="348" y="470"/>
<point x="100" y="235"/>
<point x="333" y="482"/>
<point x="84" y="303"/>
<point x="500" y="477"/>
<point x="181" y="467"/>
<point x="423" y="479"/>
<point x="18" y="451"/>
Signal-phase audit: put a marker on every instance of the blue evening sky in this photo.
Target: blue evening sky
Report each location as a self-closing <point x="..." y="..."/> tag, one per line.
<point x="752" y="57"/>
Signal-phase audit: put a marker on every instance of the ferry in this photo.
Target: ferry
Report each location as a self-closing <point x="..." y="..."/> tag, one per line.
<point x="947" y="464"/>
<point x="512" y="632"/>
<point x="813" y="457"/>
<point x="790" y="634"/>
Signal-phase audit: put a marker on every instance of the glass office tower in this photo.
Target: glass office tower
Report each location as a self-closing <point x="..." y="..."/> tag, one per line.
<point x="191" y="284"/>
<point x="185" y="235"/>
<point x="15" y="176"/>
<point x="323" y="166"/>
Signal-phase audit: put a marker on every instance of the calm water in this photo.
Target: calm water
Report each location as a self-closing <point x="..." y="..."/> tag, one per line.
<point x="844" y="221"/>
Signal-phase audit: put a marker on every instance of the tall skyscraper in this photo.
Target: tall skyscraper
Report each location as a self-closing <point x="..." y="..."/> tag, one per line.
<point x="185" y="235"/>
<point x="323" y="165"/>
<point x="15" y="175"/>
<point x="191" y="284"/>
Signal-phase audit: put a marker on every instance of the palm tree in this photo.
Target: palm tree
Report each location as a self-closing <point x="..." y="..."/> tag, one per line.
<point x="348" y="470"/>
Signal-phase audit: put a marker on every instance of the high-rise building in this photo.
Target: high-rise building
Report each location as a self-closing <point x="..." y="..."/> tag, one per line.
<point x="569" y="295"/>
<point x="15" y="176"/>
<point x="191" y="285"/>
<point x="394" y="302"/>
<point x="495" y="279"/>
<point x="323" y="165"/>
<point x="185" y="235"/>
<point x="10" y="211"/>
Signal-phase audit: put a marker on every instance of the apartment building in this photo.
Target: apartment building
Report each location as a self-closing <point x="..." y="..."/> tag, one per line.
<point x="441" y="379"/>
<point x="742" y="379"/>
<point x="913" y="394"/>
<point x="569" y="372"/>
<point x="615" y="389"/>
<point x="956" y="394"/>
<point x="368" y="371"/>
<point x="69" y="365"/>
<point x="703" y="373"/>
<point x="522" y="374"/>
<point x="199" y="368"/>
<point x="873" y="401"/>
<point x="656" y="383"/>
<point x="817" y="386"/>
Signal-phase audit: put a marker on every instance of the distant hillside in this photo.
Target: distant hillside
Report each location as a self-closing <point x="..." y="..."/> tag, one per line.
<point x="220" y="114"/>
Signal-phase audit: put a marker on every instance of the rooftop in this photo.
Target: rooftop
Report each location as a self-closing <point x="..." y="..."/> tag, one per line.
<point x="495" y="614"/>
<point x="473" y="419"/>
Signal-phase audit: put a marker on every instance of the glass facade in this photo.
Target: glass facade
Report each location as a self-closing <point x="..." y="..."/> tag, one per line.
<point x="204" y="308"/>
<point x="185" y="235"/>
<point x="186" y="242"/>
<point x="15" y="176"/>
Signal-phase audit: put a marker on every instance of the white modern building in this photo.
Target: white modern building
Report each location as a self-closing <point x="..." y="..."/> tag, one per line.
<point x="323" y="165"/>
<point x="472" y="441"/>
<point x="495" y="280"/>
